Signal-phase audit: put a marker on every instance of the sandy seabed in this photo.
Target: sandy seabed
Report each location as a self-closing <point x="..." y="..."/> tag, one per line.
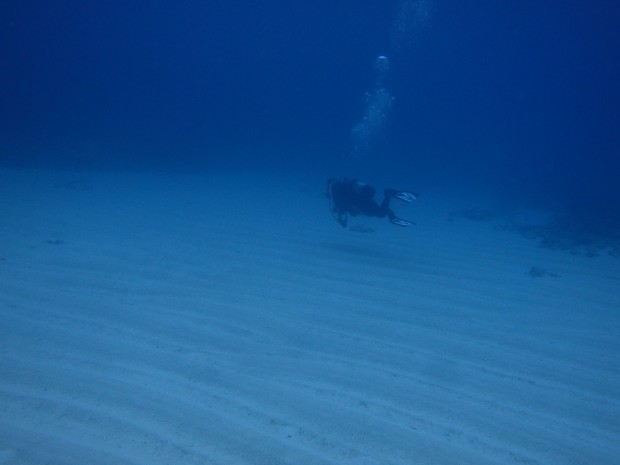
<point x="226" y="318"/>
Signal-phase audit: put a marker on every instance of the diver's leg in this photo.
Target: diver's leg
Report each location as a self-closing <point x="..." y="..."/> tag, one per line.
<point x="385" y="206"/>
<point x="405" y="196"/>
<point x="370" y="208"/>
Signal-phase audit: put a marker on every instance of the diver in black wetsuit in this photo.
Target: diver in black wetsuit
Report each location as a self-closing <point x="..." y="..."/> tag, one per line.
<point x="353" y="197"/>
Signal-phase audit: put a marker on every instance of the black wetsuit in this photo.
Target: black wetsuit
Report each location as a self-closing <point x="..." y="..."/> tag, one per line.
<point x="350" y="196"/>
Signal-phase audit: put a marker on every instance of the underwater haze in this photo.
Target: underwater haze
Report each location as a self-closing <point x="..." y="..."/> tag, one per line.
<point x="519" y="96"/>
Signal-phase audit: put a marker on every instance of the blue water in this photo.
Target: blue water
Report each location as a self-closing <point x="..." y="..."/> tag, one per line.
<point x="150" y="316"/>
<point x="519" y="97"/>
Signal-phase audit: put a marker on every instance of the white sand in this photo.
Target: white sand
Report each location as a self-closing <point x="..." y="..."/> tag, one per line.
<point x="227" y="319"/>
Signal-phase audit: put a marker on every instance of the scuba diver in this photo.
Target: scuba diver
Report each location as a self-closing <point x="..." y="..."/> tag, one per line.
<point x="353" y="197"/>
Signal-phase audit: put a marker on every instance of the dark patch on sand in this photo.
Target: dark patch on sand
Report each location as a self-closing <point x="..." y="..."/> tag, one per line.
<point x="574" y="234"/>
<point x="537" y="272"/>
<point x="55" y="242"/>
<point x="578" y="238"/>
<point x="478" y="214"/>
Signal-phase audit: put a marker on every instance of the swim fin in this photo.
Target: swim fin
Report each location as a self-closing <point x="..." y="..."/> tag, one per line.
<point x="400" y="222"/>
<point x="405" y="196"/>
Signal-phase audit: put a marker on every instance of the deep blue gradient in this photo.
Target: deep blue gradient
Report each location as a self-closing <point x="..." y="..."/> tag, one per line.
<point x="521" y="97"/>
